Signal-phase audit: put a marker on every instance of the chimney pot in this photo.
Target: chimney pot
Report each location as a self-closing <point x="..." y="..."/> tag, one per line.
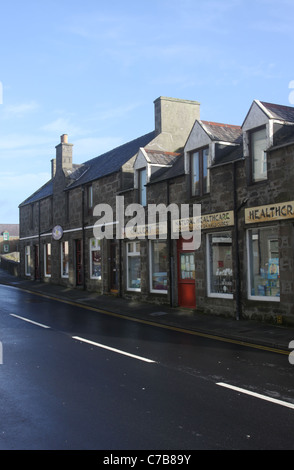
<point x="64" y="139"/>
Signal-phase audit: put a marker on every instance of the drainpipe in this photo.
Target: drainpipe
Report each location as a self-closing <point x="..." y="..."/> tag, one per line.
<point x="83" y="236"/>
<point x="39" y="245"/>
<point x="237" y="258"/>
<point x="237" y="263"/>
<point x="171" y="261"/>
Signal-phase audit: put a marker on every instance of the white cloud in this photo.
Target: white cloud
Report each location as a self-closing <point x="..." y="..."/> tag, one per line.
<point x="20" y="110"/>
<point x="64" y="125"/>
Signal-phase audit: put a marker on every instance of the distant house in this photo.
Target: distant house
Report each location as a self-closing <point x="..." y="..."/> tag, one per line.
<point x="9" y="236"/>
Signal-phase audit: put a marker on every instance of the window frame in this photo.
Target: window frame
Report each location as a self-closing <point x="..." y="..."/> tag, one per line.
<point x="94" y="245"/>
<point x="152" y="290"/>
<point x="135" y="253"/>
<point x="142" y="186"/>
<point x="89" y="198"/>
<point x="64" y="276"/>
<point x="46" y="255"/>
<point x="252" y="132"/>
<point x="204" y="185"/>
<point x="264" y="298"/>
<point x="28" y="260"/>
<point x="210" y="293"/>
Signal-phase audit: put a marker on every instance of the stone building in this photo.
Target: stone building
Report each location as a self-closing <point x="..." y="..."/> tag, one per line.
<point x="56" y="222"/>
<point x="241" y="176"/>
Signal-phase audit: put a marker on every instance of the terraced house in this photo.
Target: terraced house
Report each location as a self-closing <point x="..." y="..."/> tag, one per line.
<point x="240" y="175"/>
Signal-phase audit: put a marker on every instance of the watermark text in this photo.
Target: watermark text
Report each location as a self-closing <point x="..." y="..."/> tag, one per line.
<point x="154" y="221"/>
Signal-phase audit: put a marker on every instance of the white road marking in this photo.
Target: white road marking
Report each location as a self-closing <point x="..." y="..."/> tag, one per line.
<point x="29" y="321"/>
<point x="103" y="346"/>
<point x="257" y="395"/>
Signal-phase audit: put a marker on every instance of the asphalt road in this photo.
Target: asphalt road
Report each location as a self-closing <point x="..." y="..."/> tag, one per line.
<point x="75" y="379"/>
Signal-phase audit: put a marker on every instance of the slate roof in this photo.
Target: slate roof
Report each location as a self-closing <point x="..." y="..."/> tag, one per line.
<point x="12" y="229"/>
<point x="278" y="111"/>
<point x="45" y="191"/>
<point x="109" y="162"/>
<point x="105" y="164"/>
<point x="222" y="132"/>
<point x="229" y="154"/>
<point x="166" y="173"/>
<point x="283" y="136"/>
<point x="159" y="157"/>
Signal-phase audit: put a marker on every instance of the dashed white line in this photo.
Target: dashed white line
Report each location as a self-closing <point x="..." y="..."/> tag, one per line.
<point x="29" y="321"/>
<point x="257" y="395"/>
<point x="119" y="351"/>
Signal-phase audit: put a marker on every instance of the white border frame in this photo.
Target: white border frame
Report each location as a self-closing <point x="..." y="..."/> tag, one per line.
<point x="263" y="298"/>
<point x="97" y="248"/>
<point x="28" y="261"/>
<point x="209" y="293"/>
<point x="61" y="260"/>
<point x="154" y="291"/>
<point x="45" y="259"/>
<point x="132" y="255"/>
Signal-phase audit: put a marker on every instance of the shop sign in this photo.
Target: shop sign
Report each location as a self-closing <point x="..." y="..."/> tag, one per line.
<point x="280" y="211"/>
<point x="218" y="219"/>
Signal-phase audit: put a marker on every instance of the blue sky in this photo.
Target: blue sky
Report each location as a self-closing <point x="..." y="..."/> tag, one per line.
<point x="92" y="70"/>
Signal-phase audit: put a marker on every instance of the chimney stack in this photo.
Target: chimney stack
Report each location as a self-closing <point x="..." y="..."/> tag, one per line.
<point x="64" y="154"/>
<point x="174" y="119"/>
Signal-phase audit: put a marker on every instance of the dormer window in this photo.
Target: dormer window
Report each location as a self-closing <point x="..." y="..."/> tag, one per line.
<point x="142" y="186"/>
<point x="89" y="200"/>
<point x="258" y="145"/>
<point x="200" y="172"/>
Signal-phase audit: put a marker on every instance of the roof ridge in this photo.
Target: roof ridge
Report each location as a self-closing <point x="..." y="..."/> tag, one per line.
<point x="162" y="151"/>
<point x="220" y="124"/>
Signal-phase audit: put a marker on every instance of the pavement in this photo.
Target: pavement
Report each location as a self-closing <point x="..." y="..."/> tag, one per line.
<point x="248" y="332"/>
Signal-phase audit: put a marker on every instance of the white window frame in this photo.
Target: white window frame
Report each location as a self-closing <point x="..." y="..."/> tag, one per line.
<point x="45" y="259"/>
<point x="132" y="254"/>
<point x="209" y="292"/>
<point x="94" y="245"/>
<point x="261" y="161"/>
<point x="28" y="260"/>
<point x="64" y="276"/>
<point x="154" y="291"/>
<point x="263" y="298"/>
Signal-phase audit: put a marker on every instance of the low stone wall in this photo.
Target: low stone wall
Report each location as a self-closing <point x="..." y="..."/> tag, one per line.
<point x="12" y="267"/>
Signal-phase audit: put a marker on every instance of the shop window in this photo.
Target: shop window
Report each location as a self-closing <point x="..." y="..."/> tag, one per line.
<point x="133" y="266"/>
<point x="258" y="144"/>
<point x="28" y="260"/>
<point x="200" y="172"/>
<point x="47" y="259"/>
<point x="142" y="186"/>
<point x="95" y="259"/>
<point x="158" y="266"/>
<point x="263" y="263"/>
<point x="64" y="259"/>
<point x="220" y="265"/>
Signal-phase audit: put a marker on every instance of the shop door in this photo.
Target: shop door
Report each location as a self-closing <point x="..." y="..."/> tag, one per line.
<point x="113" y="267"/>
<point x="186" y="277"/>
<point x="79" y="263"/>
